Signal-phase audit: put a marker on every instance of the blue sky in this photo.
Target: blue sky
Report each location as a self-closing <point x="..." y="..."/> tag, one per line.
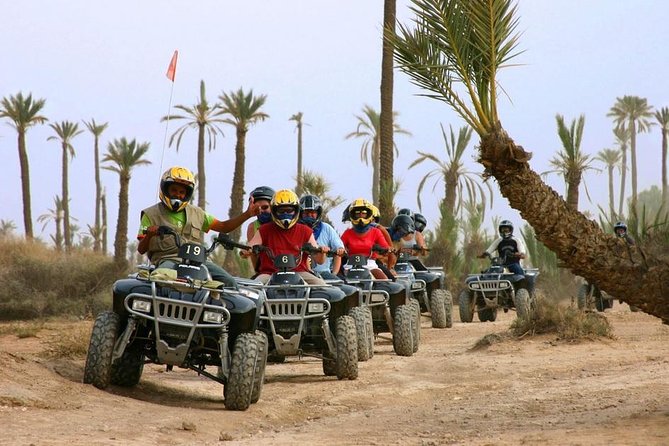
<point x="108" y="62"/>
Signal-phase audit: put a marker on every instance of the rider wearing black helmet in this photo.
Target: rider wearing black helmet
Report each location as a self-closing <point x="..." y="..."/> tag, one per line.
<point x="311" y="214"/>
<point x="513" y="247"/>
<point x="262" y="195"/>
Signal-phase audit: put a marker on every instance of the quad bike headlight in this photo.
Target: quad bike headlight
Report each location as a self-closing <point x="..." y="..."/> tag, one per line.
<point x="251" y="294"/>
<point x="141" y="305"/>
<point x="315" y="307"/>
<point x="212" y="317"/>
<point x="475" y="286"/>
<point x="504" y="285"/>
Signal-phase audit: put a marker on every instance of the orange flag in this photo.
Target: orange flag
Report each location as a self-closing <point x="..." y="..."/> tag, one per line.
<point x="172" y="69"/>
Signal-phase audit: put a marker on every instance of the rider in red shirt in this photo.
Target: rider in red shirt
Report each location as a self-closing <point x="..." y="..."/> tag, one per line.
<point x="363" y="235"/>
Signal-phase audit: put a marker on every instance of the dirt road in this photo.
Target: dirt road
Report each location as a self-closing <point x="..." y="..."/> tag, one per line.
<point x="532" y="391"/>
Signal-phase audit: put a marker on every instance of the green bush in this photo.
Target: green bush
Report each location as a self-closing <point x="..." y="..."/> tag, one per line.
<point x="39" y="282"/>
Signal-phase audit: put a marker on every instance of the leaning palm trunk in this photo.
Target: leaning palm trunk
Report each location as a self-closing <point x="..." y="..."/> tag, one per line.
<point x="577" y="241"/>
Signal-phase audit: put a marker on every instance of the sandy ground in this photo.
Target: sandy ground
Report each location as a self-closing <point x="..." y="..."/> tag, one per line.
<point x="536" y="390"/>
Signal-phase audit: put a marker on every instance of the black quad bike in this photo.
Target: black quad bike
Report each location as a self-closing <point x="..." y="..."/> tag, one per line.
<point x="179" y="316"/>
<point x="392" y="308"/>
<point x="427" y="287"/>
<point x="495" y="288"/>
<point x="590" y="296"/>
<point x="301" y="319"/>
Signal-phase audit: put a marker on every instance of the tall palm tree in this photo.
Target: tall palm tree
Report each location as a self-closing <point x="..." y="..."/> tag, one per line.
<point x="369" y="129"/>
<point x="611" y="159"/>
<point x="621" y="135"/>
<point x="316" y="184"/>
<point x="96" y="129"/>
<point x="66" y="131"/>
<point x="386" y="149"/>
<point x="23" y="112"/>
<point x="571" y="162"/>
<point x="55" y="215"/>
<point x="454" y="50"/>
<point x="452" y="172"/>
<point x="103" y="210"/>
<point x="297" y="117"/>
<point x="244" y="111"/>
<point x="633" y="113"/>
<point x="662" y="117"/>
<point x="122" y="156"/>
<point x="203" y="117"/>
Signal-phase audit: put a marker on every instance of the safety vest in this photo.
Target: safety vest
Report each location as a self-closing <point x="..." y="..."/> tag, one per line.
<point x="165" y="246"/>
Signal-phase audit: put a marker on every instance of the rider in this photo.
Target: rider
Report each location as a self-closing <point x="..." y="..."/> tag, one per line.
<point x="311" y="214"/>
<point x="190" y="222"/>
<point x="514" y="247"/>
<point x="420" y="222"/>
<point x="620" y="228"/>
<point x="285" y="236"/>
<point x="262" y="196"/>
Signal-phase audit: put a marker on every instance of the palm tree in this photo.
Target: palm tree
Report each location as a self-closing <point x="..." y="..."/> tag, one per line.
<point x="316" y="184"/>
<point x="65" y="132"/>
<point x="23" y="113"/>
<point x="244" y="111"/>
<point x="103" y="210"/>
<point x="386" y="149"/>
<point x="621" y="135"/>
<point x="96" y="130"/>
<point x="7" y="228"/>
<point x="611" y="158"/>
<point x="633" y="113"/>
<point x="369" y="129"/>
<point x="123" y="156"/>
<point x="452" y="172"/>
<point x="662" y="117"/>
<point x="460" y="43"/>
<point x="55" y="215"/>
<point x="204" y="118"/>
<point x="297" y="117"/>
<point x="571" y="162"/>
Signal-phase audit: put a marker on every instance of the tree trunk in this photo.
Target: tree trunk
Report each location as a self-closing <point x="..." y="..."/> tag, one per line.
<point x="572" y="190"/>
<point x="67" y="235"/>
<point x="59" y="232"/>
<point x="633" y="153"/>
<point x="450" y="192"/>
<point x="98" y="197"/>
<point x="578" y="242"/>
<point x="386" y="168"/>
<point x="201" y="180"/>
<point x="25" y="185"/>
<point x="664" y="168"/>
<point x="623" y="177"/>
<point x="299" y="186"/>
<point x="121" y="238"/>
<point x="103" y="210"/>
<point x="237" y="194"/>
<point x="612" y="210"/>
<point x="376" y="148"/>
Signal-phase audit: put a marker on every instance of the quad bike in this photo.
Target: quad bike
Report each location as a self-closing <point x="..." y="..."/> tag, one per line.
<point x="426" y="287"/>
<point x="179" y="316"/>
<point x="301" y="319"/>
<point x="497" y="287"/>
<point x="393" y="311"/>
<point x="589" y="296"/>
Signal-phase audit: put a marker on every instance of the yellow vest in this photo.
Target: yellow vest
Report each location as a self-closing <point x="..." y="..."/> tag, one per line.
<point x="165" y="247"/>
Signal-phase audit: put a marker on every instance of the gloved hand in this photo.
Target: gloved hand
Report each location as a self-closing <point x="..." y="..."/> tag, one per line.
<point x="151" y="231"/>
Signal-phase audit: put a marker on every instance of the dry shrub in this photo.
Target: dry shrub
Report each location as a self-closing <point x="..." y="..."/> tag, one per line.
<point x="568" y="323"/>
<point x="490" y="339"/>
<point x="70" y="344"/>
<point x="38" y="281"/>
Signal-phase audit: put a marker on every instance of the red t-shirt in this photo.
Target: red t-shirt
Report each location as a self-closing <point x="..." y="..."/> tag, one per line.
<point x="284" y="241"/>
<point x="361" y="244"/>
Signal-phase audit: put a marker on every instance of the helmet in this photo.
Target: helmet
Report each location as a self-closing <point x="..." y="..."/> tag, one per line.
<point x="505" y="224"/>
<point x="620" y="225"/>
<point x="311" y="203"/>
<point x="282" y="198"/>
<point x="262" y="193"/>
<point x="357" y="213"/>
<point x="405" y="211"/>
<point x="376" y="214"/>
<point x="179" y="175"/>
<point x="420" y="222"/>
<point x="344" y="215"/>
<point x="402" y="225"/>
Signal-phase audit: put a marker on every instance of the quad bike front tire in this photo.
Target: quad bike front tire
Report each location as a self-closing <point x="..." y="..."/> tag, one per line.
<point x="246" y="355"/>
<point x="438" y="309"/>
<point x="127" y="370"/>
<point x="98" y="368"/>
<point x="359" y="315"/>
<point x="403" y="333"/>
<point x="466" y="304"/>
<point x="415" y="328"/>
<point x="370" y="331"/>
<point x="347" y="348"/>
<point x="260" y="366"/>
<point x="522" y="303"/>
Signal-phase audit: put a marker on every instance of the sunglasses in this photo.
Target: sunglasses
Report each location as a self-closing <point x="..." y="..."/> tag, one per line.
<point x="286" y="210"/>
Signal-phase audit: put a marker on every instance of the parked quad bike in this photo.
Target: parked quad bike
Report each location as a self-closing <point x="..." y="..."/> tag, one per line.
<point x="301" y="319"/>
<point x="393" y="311"/>
<point x="497" y="287"/>
<point x="590" y="296"/>
<point x="180" y="317"/>
<point x="427" y="287"/>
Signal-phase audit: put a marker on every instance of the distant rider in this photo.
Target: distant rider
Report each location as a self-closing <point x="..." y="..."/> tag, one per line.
<point x="511" y="248"/>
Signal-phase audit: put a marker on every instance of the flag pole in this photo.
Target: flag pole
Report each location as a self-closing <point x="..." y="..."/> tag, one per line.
<point x="171" y="75"/>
